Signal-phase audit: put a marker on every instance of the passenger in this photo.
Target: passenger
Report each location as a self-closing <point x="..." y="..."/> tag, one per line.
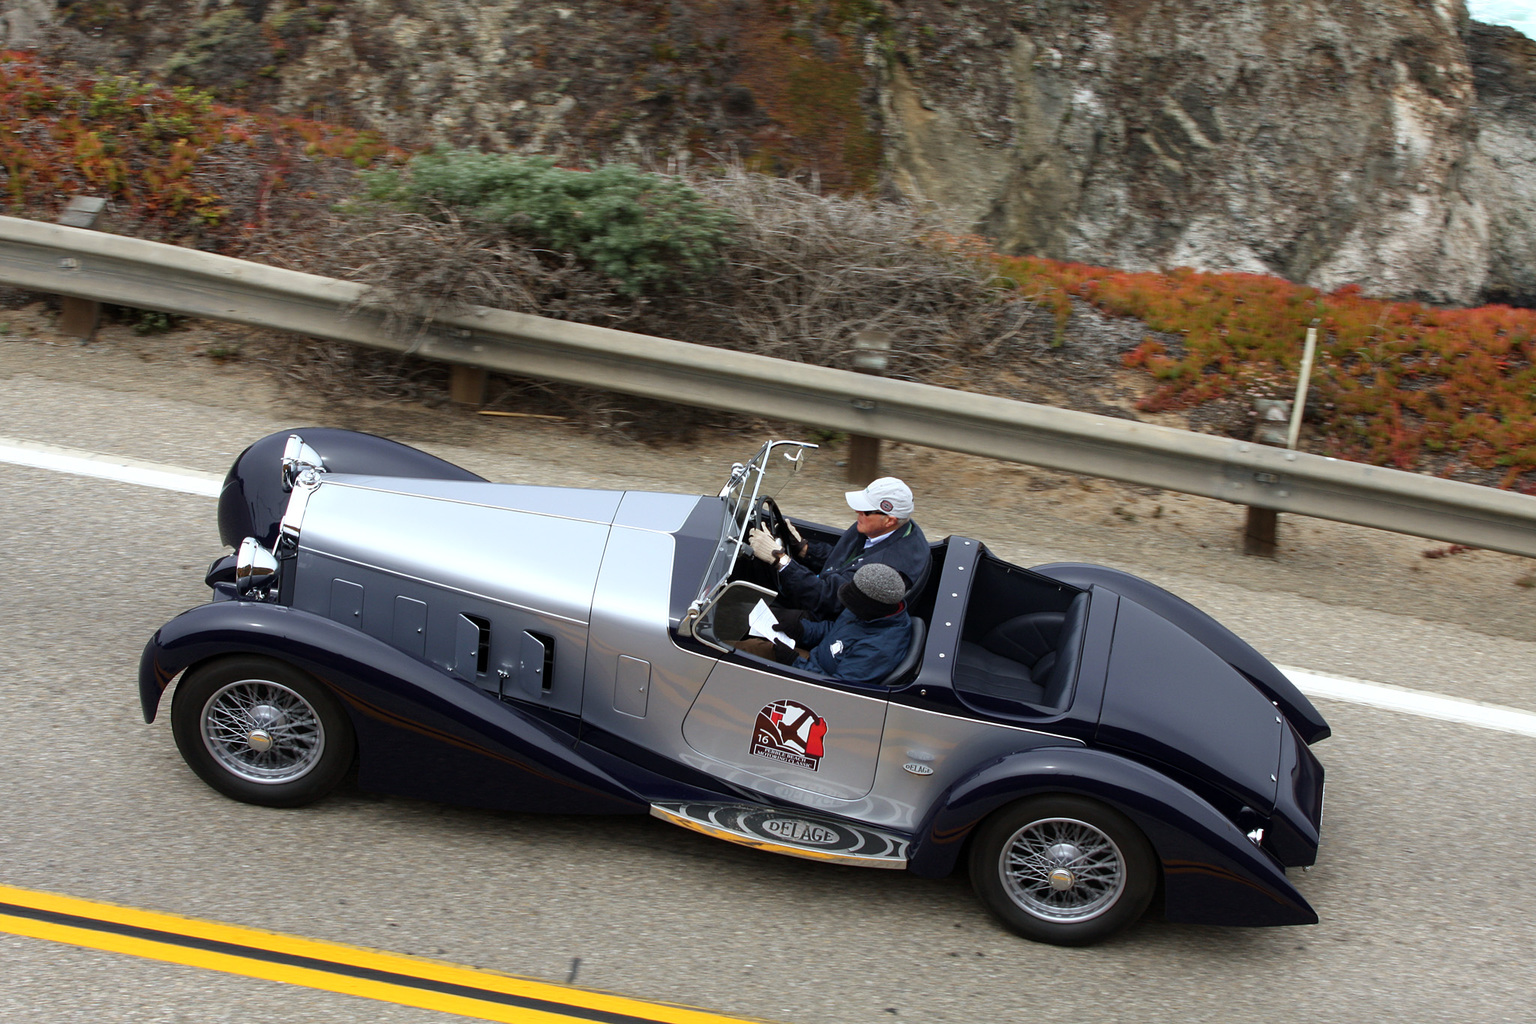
<point x="811" y="573"/>
<point x="863" y="644"/>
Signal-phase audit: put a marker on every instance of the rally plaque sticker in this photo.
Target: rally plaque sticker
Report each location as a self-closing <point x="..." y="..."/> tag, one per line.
<point x="789" y="732"/>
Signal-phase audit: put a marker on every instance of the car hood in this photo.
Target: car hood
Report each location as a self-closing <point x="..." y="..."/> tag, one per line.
<point x="536" y="547"/>
<point x="1168" y="699"/>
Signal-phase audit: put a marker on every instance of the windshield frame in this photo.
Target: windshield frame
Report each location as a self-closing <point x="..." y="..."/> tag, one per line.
<point x="762" y="476"/>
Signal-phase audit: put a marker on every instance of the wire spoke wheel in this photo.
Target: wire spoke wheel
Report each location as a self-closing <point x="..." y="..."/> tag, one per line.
<point x="1062" y="869"/>
<point x="262" y="731"/>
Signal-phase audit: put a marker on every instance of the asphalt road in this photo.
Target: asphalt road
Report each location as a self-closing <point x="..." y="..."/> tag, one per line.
<point x="1424" y="882"/>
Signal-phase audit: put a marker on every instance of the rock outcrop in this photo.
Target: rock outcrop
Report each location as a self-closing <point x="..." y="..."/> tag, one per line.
<point x="1503" y="177"/>
<point x="1388" y="143"/>
<point x="1328" y="143"/>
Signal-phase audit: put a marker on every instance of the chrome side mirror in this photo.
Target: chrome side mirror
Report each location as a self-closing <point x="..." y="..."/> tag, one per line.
<point x="796" y="458"/>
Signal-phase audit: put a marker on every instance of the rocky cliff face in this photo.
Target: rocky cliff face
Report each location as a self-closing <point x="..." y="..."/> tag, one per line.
<point x="1326" y="142"/>
<point x="1503" y="177"/>
<point x="1388" y="143"/>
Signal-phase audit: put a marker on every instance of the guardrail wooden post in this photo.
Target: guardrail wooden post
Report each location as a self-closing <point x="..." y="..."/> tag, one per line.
<point x="466" y="385"/>
<point x="78" y="317"/>
<point x="1261" y="531"/>
<point x="1261" y="534"/>
<point x="871" y="354"/>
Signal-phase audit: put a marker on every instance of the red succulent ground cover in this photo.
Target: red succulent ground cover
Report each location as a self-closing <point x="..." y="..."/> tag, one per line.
<point x="1403" y="384"/>
<point x="174" y="163"/>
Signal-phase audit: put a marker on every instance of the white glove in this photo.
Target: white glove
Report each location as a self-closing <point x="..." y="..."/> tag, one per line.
<point x="799" y="544"/>
<point x="764" y="544"/>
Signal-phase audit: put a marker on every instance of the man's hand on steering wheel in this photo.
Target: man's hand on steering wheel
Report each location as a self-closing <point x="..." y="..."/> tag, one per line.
<point x="771" y="519"/>
<point x="795" y="543"/>
<point x="766" y="547"/>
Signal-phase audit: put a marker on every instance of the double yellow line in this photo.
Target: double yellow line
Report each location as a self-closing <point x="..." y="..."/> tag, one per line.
<point x="331" y="967"/>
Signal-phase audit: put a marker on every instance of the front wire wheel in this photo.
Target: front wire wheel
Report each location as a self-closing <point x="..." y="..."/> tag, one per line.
<point x="1062" y="869"/>
<point x="261" y="731"/>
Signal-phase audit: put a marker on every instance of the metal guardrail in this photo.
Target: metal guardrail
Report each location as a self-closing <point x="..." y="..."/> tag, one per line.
<point x="129" y="271"/>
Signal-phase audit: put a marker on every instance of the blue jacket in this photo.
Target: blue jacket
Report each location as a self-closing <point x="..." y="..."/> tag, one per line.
<point x="812" y="585"/>
<point x="854" y="649"/>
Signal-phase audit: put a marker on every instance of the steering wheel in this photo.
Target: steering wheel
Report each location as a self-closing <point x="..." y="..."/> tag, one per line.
<point x="768" y="516"/>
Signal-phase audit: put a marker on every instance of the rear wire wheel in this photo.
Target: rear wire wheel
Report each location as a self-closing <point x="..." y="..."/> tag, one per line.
<point x="1062" y="869"/>
<point x="261" y="731"/>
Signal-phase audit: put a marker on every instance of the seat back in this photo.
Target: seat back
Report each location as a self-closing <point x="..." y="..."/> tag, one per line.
<point x="1026" y="638"/>
<point x="922" y="581"/>
<point x="908" y="664"/>
<point x="1057" y="685"/>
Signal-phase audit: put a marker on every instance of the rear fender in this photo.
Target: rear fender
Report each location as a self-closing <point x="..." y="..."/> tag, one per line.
<point x="1212" y="872"/>
<point x="420" y="732"/>
<point x="1220" y="640"/>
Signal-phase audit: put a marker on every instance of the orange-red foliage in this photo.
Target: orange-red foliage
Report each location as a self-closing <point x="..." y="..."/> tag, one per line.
<point x="170" y="157"/>
<point x="1395" y="383"/>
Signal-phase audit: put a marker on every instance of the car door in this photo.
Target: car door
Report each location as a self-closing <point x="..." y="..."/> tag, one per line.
<point x="786" y="734"/>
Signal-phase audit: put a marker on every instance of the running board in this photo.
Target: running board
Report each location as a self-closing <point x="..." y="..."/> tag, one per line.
<point x="792" y="833"/>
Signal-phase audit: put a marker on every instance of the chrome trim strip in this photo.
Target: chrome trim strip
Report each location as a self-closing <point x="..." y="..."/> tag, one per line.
<point x="304" y="486"/>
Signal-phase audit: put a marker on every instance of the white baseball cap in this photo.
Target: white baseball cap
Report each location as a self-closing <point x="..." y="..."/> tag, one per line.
<point x="886" y="495"/>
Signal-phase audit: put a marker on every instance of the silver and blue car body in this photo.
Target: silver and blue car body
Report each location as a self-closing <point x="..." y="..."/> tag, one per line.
<point x="1084" y="737"/>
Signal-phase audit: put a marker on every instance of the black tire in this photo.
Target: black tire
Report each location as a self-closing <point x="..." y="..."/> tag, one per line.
<point x="1062" y="869"/>
<point x="261" y="731"/>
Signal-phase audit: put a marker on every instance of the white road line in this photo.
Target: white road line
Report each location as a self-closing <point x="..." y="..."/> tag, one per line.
<point x="1414" y="702"/>
<point x="1353" y="691"/>
<point x="109" y="467"/>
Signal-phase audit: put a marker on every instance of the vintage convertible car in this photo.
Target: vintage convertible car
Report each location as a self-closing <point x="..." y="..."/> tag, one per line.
<point x="1080" y="737"/>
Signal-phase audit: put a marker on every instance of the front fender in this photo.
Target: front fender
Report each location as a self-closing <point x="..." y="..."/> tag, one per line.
<point x="420" y="732"/>
<point x="1212" y="872"/>
<point x="253" y="498"/>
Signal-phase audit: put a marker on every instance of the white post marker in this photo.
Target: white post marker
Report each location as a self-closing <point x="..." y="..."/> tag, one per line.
<point x="1301" y="386"/>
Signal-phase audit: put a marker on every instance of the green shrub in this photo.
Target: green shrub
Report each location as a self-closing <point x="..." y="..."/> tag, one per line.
<point x="646" y="231"/>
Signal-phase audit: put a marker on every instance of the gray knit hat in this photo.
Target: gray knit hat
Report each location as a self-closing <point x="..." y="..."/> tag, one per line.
<point x="876" y="590"/>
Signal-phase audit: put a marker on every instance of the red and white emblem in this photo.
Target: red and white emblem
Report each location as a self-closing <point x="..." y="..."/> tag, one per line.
<point x="789" y="732"/>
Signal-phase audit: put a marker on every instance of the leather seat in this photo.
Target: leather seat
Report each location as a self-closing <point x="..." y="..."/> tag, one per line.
<point x="914" y="654"/>
<point x="1030" y="658"/>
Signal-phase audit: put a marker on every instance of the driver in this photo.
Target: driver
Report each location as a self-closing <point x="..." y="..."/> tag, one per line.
<point x="811" y="573"/>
